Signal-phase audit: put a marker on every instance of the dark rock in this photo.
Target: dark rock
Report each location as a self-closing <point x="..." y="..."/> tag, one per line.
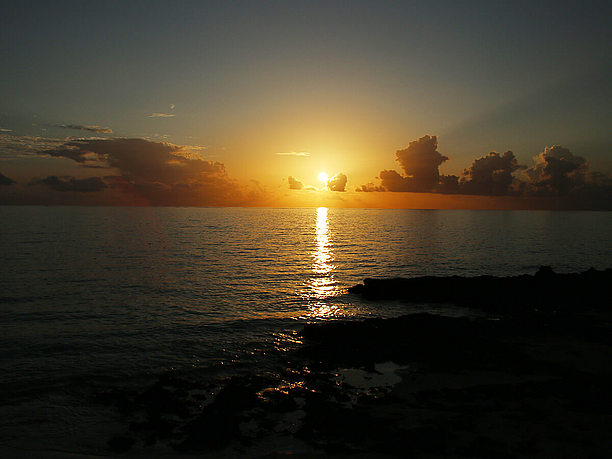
<point x="218" y="423"/>
<point x="433" y="340"/>
<point x="546" y="291"/>
<point x="120" y="444"/>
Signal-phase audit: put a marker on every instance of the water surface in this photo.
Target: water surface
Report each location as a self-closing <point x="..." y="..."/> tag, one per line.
<point x="119" y="292"/>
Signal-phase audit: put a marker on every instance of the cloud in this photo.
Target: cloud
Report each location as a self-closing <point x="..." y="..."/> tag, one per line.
<point x="71" y="152"/>
<point x="172" y="106"/>
<point x="161" y="115"/>
<point x="86" y="127"/>
<point x="156" y="171"/>
<point x="449" y="184"/>
<point x="294" y="153"/>
<point x="337" y="182"/>
<point x="17" y="147"/>
<point x="392" y="181"/>
<point x="141" y="159"/>
<point x="5" y="130"/>
<point x="66" y="184"/>
<point x="420" y="161"/>
<point x="370" y="188"/>
<point x="490" y="175"/>
<point x="558" y="171"/>
<point x="5" y="181"/>
<point x="294" y="184"/>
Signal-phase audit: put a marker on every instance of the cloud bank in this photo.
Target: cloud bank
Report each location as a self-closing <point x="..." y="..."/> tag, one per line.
<point x="65" y="184"/>
<point x="557" y="172"/>
<point x="156" y="172"/>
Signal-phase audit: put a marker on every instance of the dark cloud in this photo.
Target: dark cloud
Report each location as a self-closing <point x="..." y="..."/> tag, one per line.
<point x="420" y="161"/>
<point x="490" y="175"/>
<point x="159" y="173"/>
<point x="70" y="152"/>
<point x="5" y="181"/>
<point x="370" y="188"/>
<point x="84" y="127"/>
<point x="294" y="184"/>
<point x="449" y="184"/>
<point x="393" y="181"/>
<point x="142" y="160"/>
<point x="85" y="185"/>
<point x="558" y="171"/>
<point x="337" y="182"/>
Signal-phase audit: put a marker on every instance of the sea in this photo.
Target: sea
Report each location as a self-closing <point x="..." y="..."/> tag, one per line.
<point x="93" y="297"/>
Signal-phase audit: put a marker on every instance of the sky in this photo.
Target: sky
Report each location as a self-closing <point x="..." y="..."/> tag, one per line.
<point x="400" y="104"/>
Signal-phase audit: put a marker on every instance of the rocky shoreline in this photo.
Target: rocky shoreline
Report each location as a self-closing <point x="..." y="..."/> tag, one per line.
<point x="532" y="381"/>
<point x="546" y="291"/>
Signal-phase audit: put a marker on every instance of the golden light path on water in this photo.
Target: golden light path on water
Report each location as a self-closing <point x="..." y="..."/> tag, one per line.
<point x="322" y="283"/>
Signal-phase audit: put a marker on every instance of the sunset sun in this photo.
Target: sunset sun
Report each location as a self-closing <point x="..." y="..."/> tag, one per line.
<point x="323" y="177"/>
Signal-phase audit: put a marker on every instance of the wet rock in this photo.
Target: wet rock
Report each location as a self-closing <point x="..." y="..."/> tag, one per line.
<point x="120" y="444"/>
<point x="218" y="424"/>
<point x="432" y="340"/>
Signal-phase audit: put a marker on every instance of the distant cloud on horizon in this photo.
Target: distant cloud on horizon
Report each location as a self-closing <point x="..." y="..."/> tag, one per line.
<point x="490" y="175"/>
<point x="370" y="188"/>
<point x="294" y="184"/>
<point x="148" y="172"/>
<point x="161" y="115"/>
<point x="67" y="184"/>
<point x="153" y="172"/>
<point x="337" y="182"/>
<point x="557" y="172"/>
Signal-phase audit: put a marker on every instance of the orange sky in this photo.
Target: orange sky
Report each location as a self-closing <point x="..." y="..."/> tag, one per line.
<point x="238" y="87"/>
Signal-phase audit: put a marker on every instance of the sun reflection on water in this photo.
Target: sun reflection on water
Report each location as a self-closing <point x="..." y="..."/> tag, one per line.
<point x="322" y="283"/>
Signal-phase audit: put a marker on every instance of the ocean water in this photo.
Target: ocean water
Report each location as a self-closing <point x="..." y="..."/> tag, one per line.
<point x="96" y="298"/>
<point x="101" y="295"/>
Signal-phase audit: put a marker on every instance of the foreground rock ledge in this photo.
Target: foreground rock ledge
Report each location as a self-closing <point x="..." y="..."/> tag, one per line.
<point x="546" y="291"/>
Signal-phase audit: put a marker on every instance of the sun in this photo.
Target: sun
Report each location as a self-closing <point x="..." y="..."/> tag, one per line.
<point x="323" y="177"/>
